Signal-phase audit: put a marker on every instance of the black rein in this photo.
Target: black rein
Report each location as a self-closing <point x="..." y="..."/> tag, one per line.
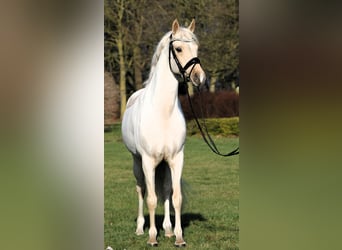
<point x="205" y="134"/>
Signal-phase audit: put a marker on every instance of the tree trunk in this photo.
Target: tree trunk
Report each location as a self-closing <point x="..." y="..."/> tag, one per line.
<point x="119" y="43"/>
<point x="191" y="89"/>
<point x="212" y="83"/>
<point x="122" y="77"/>
<point x="137" y="68"/>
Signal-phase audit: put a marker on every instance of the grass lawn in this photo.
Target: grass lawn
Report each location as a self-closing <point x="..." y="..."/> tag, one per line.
<point x="210" y="216"/>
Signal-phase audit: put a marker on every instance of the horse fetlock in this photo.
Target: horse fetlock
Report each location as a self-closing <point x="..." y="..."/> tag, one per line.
<point x="179" y="238"/>
<point x="139" y="231"/>
<point x="140" y="226"/>
<point x="167" y="226"/>
<point x="152" y="236"/>
<point x="168" y="232"/>
<point x="179" y="235"/>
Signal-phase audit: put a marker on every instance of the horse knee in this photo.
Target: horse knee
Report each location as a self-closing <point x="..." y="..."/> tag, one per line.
<point x="151" y="201"/>
<point x="177" y="200"/>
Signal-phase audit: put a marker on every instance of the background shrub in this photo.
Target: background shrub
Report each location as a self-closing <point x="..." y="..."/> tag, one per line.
<point x="211" y="105"/>
<point x="228" y="126"/>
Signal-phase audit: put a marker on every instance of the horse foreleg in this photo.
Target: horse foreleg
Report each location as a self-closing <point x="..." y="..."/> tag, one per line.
<point x="149" y="171"/>
<point x="176" y="166"/>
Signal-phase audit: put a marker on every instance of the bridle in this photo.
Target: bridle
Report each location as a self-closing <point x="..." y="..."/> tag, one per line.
<point x="192" y="62"/>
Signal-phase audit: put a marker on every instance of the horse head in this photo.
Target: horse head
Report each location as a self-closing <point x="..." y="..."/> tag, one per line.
<point x="183" y="58"/>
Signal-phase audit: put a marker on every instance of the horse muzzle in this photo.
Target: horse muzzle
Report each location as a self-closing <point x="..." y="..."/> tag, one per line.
<point x="197" y="75"/>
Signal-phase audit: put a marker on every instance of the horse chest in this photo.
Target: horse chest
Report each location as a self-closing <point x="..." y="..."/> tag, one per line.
<point x="163" y="138"/>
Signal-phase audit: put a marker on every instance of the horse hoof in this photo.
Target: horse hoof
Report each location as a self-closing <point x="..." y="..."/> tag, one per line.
<point x="153" y="244"/>
<point x="169" y="233"/>
<point x="139" y="232"/>
<point x="180" y="243"/>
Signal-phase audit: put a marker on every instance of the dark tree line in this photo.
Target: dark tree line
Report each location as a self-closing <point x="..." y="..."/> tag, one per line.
<point x="132" y="29"/>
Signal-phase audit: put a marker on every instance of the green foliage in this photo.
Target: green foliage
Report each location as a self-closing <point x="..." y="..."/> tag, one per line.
<point x="216" y="126"/>
<point x="210" y="217"/>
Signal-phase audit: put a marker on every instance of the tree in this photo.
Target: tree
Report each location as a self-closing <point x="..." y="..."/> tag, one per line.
<point x="115" y="31"/>
<point x="134" y="27"/>
<point x="220" y="40"/>
<point x="111" y="100"/>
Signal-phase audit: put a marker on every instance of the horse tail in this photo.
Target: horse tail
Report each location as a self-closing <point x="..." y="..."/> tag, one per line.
<point x="163" y="184"/>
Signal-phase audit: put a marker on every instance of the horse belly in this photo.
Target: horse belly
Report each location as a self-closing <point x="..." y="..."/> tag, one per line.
<point x="128" y="131"/>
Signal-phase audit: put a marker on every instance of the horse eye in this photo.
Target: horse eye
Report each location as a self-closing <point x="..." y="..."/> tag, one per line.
<point x="179" y="49"/>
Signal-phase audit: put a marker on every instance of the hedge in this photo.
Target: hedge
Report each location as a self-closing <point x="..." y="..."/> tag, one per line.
<point x="216" y="126"/>
<point x="221" y="104"/>
<point x="228" y="126"/>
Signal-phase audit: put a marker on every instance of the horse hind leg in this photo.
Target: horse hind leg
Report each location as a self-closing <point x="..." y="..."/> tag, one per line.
<point x="167" y="190"/>
<point x="140" y="218"/>
<point x="140" y="188"/>
<point x="167" y="222"/>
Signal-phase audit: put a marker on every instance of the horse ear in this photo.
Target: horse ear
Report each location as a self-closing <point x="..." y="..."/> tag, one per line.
<point x="175" y="26"/>
<point x="192" y="25"/>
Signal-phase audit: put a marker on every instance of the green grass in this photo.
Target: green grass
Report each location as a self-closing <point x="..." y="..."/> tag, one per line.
<point x="210" y="217"/>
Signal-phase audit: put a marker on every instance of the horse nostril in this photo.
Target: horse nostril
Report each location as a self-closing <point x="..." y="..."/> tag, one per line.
<point x="202" y="78"/>
<point x="198" y="76"/>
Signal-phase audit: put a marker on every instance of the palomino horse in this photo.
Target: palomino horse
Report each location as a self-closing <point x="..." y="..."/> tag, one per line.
<point x="153" y="128"/>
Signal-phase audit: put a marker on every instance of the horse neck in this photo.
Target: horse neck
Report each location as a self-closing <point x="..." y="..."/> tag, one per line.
<point x="163" y="88"/>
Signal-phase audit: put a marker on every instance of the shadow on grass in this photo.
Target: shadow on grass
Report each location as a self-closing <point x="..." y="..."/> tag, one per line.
<point x="187" y="218"/>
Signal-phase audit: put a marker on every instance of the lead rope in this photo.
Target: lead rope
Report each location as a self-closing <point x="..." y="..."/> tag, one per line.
<point x="182" y="70"/>
<point x="206" y="136"/>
